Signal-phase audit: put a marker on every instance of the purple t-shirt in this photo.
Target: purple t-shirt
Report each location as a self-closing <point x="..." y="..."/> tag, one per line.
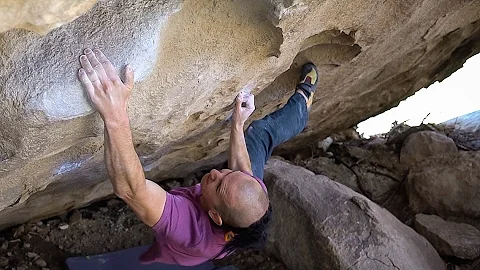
<point x="185" y="234"/>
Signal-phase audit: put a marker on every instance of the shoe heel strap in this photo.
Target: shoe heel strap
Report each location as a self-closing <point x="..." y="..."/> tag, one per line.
<point x="306" y="89"/>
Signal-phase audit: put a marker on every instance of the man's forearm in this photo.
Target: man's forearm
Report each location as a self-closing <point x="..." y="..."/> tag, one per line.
<point x="123" y="165"/>
<point x="238" y="155"/>
<point x="109" y="95"/>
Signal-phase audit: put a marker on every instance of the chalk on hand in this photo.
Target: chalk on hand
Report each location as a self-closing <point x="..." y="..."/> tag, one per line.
<point x="243" y="94"/>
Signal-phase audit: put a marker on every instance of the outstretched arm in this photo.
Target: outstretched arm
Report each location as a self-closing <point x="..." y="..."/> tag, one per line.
<point x="109" y="95"/>
<point x="238" y="158"/>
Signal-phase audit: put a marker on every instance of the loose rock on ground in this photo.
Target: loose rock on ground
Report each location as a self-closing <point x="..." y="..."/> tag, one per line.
<point x="449" y="238"/>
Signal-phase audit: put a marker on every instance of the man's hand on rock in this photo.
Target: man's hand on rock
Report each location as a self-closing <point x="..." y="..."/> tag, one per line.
<point x="108" y="94"/>
<point x="241" y="113"/>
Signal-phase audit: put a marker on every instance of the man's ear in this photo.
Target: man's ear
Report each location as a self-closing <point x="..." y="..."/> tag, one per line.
<point x="215" y="216"/>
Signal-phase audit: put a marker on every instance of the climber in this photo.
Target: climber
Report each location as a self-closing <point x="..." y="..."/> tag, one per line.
<point x="229" y="209"/>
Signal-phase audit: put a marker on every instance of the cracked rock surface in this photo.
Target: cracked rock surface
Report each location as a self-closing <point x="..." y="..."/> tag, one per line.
<point x="190" y="59"/>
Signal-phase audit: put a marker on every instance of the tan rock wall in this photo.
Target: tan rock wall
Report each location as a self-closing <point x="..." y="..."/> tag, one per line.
<point x="40" y="16"/>
<point x="190" y="59"/>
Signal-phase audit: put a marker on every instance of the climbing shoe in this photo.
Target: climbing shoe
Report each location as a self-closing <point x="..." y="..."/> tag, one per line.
<point x="308" y="81"/>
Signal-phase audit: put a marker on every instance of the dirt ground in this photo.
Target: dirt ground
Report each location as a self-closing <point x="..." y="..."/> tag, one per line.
<point x="102" y="227"/>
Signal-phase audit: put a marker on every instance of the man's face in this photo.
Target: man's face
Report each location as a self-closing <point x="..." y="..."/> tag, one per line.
<point x="220" y="187"/>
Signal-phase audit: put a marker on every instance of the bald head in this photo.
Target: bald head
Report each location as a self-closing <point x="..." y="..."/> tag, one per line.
<point x="247" y="204"/>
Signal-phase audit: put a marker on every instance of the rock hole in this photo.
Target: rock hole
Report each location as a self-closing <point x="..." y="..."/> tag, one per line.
<point x="328" y="50"/>
<point x="329" y="37"/>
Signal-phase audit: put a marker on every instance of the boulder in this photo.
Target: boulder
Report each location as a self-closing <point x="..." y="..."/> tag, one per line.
<point x="424" y="144"/>
<point x="376" y="167"/>
<point x="449" y="238"/>
<point x="337" y="172"/>
<point x="320" y="224"/>
<point x="446" y="186"/>
<point x="371" y="168"/>
<point x="377" y="183"/>
<point x="190" y="59"/>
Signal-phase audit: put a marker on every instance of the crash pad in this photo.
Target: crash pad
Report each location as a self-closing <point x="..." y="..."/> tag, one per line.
<point x="127" y="259"/>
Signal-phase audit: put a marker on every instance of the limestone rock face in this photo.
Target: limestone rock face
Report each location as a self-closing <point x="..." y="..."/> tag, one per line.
<point x="329" y="226"/>
<point x="190" y="59"/>
<point x="424" y="144"/>
<point x="40" y="16"/>
<point x="449" y="238"/>
<point x="446" y="186"/>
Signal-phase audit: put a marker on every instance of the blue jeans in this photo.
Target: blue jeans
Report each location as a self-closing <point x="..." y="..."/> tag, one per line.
<point x="263" y="135"/>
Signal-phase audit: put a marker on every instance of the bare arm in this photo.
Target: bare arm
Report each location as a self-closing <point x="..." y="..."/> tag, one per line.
<point x="238" y="158"/>
<point x="109" y="96"/>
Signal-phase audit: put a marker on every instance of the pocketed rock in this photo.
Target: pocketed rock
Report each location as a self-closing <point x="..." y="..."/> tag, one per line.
<point x="424" y="144"/>
<point x="449" y="238"/>
<point x="446" y="186"/>
<point x="329" y="226"/>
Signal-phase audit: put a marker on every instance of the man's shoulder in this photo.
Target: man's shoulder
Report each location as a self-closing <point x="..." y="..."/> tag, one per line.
<point x="185" y="223"/>
<point x="183" y="212"/>
<point x="192" y="192"/>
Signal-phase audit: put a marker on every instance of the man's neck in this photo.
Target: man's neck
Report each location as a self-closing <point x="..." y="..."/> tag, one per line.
<point x="203" y="203"/>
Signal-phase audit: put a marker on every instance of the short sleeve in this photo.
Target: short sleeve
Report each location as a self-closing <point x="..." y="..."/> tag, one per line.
<point x="181" y="222"/>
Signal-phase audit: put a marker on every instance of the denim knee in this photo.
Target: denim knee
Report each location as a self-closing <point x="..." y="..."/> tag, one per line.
<point x="258" y="124"/>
